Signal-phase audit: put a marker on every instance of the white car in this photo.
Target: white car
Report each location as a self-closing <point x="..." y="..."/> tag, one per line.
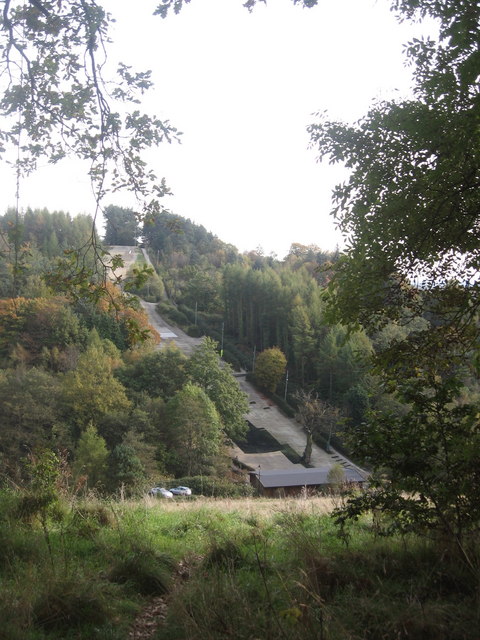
<point x="181" y="491"/>
<point x="160" y="492"/>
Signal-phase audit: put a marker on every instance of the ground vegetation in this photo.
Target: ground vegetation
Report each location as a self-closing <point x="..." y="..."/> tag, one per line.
<point x="204" y="568"/>
<point x="409" y="211"/>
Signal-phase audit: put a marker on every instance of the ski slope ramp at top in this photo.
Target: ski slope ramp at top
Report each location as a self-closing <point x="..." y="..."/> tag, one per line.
<point x="129" y="256"/>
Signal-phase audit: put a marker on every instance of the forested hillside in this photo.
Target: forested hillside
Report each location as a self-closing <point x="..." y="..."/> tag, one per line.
<point x="77" y="379"/>
<point x="250" y="303"/>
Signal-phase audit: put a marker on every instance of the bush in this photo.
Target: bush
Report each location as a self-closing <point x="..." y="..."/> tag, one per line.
<point x="216" y="487"/>
<point x="194" y="331"/>
<point x="90" y="516"/>
<point x="69" y="602"/>
<point x="227" y="554"/>
<point x="147" y="571"/>
<point x="17" y="543"/>
<point x="172" y="313"/>
<point x="164" y="307"/>
<point x="190" y="313"/>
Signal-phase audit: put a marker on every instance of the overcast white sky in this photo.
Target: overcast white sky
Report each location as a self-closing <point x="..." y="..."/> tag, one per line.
<point x="242" y="88"/>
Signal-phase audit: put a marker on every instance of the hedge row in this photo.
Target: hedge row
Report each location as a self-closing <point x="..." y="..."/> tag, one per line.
<point x="215" y="487"/>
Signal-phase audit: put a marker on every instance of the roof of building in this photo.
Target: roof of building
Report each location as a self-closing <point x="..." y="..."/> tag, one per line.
<point x="301" y="477"/>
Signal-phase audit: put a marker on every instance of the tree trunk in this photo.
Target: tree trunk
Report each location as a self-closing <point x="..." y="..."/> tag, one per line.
<point x="307" y="454"/>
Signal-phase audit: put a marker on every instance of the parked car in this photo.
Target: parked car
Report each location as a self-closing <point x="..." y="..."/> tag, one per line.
<point x="160" y="492"/>
<point x="181" y="491"/>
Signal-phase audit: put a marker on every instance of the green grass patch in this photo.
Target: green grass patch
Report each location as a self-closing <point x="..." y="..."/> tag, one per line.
<point x="249" y="569"/>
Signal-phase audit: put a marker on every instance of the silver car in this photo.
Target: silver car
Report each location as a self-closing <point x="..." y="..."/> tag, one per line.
<point x="160" y="492"/>
<point x="181" y="491"/>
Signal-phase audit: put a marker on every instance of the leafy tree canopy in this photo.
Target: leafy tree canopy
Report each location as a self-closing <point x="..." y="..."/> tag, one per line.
<point x="29" y="407"/>
<point x="270" y="368"/>
<point x="409" y="211"/>
<point x="91" y="391"/>
<point x="121" y="226"/>
<point x="177" y="5"/>
<point x="57" y="103"/>
<point x="159" y="374"/>
<point x="194" y="432"/>
<point x="409" y="208"/>
<point x="91" y="457"/>
<point x="216" y="379"/>
<point x="53" y="54"/>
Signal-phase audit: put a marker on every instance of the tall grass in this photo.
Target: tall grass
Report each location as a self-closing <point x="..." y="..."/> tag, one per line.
<point x="89" y="581"/>
<point x="252" y="568"/>
<point x="294" y="577"/>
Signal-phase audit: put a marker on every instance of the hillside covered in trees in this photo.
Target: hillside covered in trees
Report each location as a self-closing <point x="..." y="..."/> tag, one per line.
<point x="75" y="378"/>
<point x="86" y="406"/>
<point x="250" y="303"/>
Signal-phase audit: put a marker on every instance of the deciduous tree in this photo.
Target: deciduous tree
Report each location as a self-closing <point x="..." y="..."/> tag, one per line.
<point x="91" y="391"/>
<point x="121" y="227"/>
<point x="29" y="410"/>
<point x="409" y="211"/>
<point x="270" y="368"/>
<point x="216" y="379"/>
<point x="56" y="102"/>
<point x="91" y="456"/>
<point x="160" y="374"/>
<point x="316" y="416"/>
<point x="194" y="432"/>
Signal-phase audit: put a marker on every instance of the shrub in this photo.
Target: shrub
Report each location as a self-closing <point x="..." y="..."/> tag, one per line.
<point x="71" y="601"/>
<point x="194" y="331"/>
<point x="216" y="487"/>
<point x="189" y="313"/>
<point x="164" y="308"/>
<point x="227" y="554"/>
<point x="147" y="571"/>
<point x="179" y="317"/>
<point x="90" y="516"/>
<point x="17" y="543"/>
<point x="270" y="368"/>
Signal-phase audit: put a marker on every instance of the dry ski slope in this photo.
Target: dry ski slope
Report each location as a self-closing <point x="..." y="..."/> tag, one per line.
<point x="263" y="413"/>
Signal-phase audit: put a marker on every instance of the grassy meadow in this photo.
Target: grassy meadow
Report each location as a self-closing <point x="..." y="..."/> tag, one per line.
<point x="209" y="569"/>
